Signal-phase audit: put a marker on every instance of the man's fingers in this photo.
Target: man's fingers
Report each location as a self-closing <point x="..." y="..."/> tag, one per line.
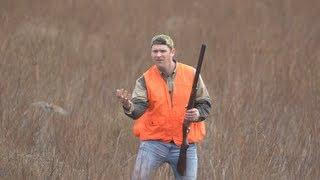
<point x="119" y="91"/>
<point x="122" y="94"/>
<point x="125" y="95"/>
<point x="192" y="110"/>
<point x="128" y="96"/>
<point x="192" y="114"/>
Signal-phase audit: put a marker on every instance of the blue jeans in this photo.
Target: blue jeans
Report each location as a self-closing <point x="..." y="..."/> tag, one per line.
<point x="152" y="154"/>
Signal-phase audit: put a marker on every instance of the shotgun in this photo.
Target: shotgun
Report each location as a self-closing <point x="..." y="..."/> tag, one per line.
<point x="182" y="161"/>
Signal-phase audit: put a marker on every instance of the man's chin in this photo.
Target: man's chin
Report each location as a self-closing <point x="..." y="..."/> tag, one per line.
<point x="160" y="67"/>
<point x="159" y="63"/>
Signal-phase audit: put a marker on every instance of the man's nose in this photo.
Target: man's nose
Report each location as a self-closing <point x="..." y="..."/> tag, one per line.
<point x="158" y="54"/>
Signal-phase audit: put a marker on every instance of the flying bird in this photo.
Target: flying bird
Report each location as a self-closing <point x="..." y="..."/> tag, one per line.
<point x="50" y="107"/>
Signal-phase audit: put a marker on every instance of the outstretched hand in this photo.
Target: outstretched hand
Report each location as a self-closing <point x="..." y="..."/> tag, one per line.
<point x="124" y="98"/>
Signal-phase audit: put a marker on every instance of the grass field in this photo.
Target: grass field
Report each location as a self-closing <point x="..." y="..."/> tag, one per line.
<point x="261" y="69"/>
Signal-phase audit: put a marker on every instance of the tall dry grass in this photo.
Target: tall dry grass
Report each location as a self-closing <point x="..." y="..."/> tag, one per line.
<point x="261" y="69"/>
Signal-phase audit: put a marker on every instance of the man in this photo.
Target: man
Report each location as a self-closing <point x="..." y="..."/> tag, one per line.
<point x="158" y="105"/>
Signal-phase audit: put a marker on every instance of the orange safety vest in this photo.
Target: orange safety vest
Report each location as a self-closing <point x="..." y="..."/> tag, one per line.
<point x="164" y="116"/>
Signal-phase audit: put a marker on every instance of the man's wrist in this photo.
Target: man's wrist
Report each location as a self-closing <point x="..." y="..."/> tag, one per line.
<point x="129" y="109"/>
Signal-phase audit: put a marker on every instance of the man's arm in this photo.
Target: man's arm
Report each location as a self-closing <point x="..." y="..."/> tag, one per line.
<point x="203" y="101"/>
<point x="139" y="101"/>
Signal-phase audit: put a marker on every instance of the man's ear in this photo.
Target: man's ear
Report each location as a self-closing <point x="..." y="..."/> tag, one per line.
<point x="173" y="52"/>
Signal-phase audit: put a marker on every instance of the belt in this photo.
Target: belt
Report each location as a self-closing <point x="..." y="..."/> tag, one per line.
<point x="172" y="142"/>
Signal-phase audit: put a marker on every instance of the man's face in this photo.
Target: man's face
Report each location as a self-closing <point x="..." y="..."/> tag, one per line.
<point x="162" y="55"/>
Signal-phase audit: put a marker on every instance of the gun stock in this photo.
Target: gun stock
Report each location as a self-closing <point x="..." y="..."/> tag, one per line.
<point x="182" y="161"/>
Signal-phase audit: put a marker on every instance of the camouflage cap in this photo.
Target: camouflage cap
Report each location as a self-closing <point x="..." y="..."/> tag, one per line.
<point x="162" y="39"/>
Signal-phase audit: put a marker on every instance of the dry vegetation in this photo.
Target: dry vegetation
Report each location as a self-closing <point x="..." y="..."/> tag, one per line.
<point x="261" y="68"/>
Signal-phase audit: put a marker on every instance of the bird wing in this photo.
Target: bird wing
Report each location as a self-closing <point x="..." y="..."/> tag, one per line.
<point x="59" y="110"/>
<point x="42" y="104"/>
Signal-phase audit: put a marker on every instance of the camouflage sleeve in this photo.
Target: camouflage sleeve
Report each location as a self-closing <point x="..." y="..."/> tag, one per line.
<point x="203" y="100"/>
<point x="139" y="101"/>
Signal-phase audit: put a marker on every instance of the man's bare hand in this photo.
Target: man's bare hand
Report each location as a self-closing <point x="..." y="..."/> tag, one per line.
<point x="124" y="98"/>
<point x="192" y="115"/>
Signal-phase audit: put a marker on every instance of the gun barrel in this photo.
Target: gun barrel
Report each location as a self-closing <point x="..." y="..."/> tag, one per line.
<point x="182" y="161"/>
